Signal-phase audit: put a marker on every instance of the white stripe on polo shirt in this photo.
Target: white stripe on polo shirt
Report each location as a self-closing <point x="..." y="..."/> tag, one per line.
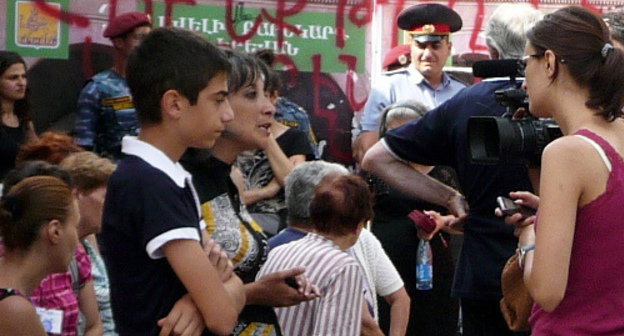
<point x="156" y="158"/>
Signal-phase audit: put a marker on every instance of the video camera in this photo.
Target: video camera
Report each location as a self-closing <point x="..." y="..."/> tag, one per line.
<point x="493" y="140"/>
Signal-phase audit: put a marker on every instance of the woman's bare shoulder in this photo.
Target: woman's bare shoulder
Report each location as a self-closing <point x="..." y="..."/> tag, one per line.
<point x="19" y="317"/>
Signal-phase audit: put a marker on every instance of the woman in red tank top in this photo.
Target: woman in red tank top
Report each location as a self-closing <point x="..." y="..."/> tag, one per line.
<point x="572" y="256"/>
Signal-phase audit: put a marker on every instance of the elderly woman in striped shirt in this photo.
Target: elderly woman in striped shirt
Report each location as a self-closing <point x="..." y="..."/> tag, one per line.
<point x="341" y="206"/>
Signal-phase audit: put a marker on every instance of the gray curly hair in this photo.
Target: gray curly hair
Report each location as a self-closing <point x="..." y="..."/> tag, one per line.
<point x="300" y="184"/>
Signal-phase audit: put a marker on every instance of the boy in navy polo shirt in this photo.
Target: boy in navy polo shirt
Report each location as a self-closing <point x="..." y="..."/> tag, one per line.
<point x="152" y="224"/>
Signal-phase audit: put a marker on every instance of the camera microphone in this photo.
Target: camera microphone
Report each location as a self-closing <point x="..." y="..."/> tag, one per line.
<point x="495" y="68"/>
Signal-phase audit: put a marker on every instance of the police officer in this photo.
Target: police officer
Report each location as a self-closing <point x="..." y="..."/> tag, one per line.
<point x="105" y="109"/>
<point x="429" y="27"/>
<point x="440" y="138"/>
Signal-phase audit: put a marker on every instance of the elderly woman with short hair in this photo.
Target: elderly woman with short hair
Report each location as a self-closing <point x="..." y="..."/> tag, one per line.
<point x="339" y="210"/>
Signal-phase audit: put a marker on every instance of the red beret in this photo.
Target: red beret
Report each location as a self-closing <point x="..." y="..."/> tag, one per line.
<point x="399" y="55"/>
<point x="126" y="22"/>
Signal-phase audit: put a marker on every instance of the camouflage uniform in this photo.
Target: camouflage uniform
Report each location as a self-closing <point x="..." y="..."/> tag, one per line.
<point x="105" y="114"/>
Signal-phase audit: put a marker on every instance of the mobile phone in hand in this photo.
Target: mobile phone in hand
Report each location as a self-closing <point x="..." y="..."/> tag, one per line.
<point x="509" y="207"/>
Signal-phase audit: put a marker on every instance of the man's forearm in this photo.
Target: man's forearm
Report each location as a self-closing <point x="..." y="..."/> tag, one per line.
<point x="405" y="179"/>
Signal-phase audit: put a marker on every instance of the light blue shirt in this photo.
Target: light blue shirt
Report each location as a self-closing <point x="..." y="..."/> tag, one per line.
<point x="399" y="85"/>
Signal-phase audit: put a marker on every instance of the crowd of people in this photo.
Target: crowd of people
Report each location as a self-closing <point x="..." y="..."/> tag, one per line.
<point x="190" y="200"/>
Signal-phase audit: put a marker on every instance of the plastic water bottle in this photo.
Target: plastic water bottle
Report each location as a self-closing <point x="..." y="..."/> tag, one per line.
<point x="424" y="266"/>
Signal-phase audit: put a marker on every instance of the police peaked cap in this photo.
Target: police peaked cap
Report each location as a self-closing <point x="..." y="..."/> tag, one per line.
<point x="429" y="22"/>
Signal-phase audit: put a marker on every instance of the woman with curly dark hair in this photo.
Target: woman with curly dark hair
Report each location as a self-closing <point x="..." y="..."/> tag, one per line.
<point x="228" y="222"/>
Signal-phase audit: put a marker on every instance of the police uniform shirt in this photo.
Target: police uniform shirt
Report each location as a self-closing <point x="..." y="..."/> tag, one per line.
<point x="407" y="83"/>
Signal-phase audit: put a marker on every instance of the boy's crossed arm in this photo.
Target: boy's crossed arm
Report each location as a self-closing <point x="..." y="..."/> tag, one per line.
<point x="218" y="301"/>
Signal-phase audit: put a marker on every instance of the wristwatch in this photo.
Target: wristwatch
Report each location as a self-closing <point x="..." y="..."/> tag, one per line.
<point x="522" y="251"/>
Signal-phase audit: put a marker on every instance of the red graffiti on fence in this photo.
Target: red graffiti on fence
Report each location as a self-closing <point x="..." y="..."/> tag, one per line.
<point x="330" y="116"/>
<point x="87" y="64"/>
<point x="477" y="28"/>
<point x="355" y="16"/>
<point x="169" y="8"/>
<point x="586" y="4"/>
<point x="112" y="9"/>
<point x="351" y="61"/>
<point x="280" y="14"/>
<point x="358" y="14"/>
<point x="149" y="8"/>
<point x="231" y="29"/>
<point x="397" y="10"/>
<point x="67" y="17"/>
<point x="290" y="66"/>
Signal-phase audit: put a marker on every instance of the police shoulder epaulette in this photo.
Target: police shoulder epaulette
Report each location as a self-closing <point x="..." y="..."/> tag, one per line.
<point x="465" y="80"/>
<point x="394" y="72"/>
